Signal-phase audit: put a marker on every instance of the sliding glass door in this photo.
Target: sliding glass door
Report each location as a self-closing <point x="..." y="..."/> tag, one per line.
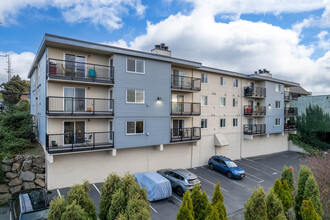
<point x="74" y="132"/>
<point x="74" y="99"/>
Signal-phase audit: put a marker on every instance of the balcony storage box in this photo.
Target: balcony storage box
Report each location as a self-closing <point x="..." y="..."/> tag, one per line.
<point x="91" y="73"/>
<point x="157" y="186"/>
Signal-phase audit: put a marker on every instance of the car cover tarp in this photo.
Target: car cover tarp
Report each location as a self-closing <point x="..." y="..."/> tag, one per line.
<point x="157" y="186"/>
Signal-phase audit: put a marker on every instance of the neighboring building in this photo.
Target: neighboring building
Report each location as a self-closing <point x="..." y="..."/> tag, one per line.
<point x="25" y="96"/>
<point x="322" y="101"/>
<point x="102" y="109"/>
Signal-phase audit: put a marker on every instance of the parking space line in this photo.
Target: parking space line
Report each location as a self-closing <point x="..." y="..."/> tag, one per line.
<point x="254" y="168"/>
<point x="221" y="175"/>
<point x="258" y="181"/>
<point x="153" y="208"/>
<point x="262" y="165"/>
<point x="209" y="182"/>
<point x="58" y="192"/>
<point x="97" y="189"/>
<point x="177" y="198"/>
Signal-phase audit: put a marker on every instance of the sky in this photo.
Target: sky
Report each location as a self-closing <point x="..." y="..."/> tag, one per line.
<point x="290" y="38"/>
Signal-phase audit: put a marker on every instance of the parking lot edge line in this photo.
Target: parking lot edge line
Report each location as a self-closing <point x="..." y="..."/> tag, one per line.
<point x="177" y="198"/>
<point x="153" y="208"/>
<point x="263" y="165"/>
<point x="97" y="189"/>
<point x="58" y="192"/>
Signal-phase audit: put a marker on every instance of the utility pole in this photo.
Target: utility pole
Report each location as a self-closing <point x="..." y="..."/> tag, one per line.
<point x="9" y="69"/>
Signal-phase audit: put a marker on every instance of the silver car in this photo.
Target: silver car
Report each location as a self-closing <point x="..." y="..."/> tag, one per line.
<point x="181" y="179"/>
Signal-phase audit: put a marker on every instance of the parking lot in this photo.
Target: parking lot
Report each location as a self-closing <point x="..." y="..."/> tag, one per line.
<point x="263" y="170"/>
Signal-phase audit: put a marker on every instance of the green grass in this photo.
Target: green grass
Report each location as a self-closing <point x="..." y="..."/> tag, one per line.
<point x="34" y="150"/>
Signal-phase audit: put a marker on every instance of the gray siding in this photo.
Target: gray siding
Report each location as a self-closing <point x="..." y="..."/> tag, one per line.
<point x="41" y="102"/>
<point x="273" y="113"/>
<point x="156" y="116"/>
<point x="33" y="94"/>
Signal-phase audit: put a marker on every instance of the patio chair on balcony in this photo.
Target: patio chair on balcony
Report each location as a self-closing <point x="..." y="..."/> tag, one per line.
<point x="88" y="140"/>
<point x="67" y="71"/>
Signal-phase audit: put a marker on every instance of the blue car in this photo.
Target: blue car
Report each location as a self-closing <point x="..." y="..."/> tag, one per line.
<point x="226" y="166"/>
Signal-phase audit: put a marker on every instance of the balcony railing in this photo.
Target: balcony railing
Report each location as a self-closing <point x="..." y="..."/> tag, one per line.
<point x="290" y="127"/>
<point x="79" y="141"/>
<point x="254" y="110"/>
<point x="252" y="129"/>
<point x="186" y="83"/>
<point x="257" y="92"/>
<point x="185" y="134"/>
<point x="78" y="71"/>
<point x="185" y="108"/>
<point x="289" y="96"/>
<point x="72" y="106"/>
<point x="290" y="111"/>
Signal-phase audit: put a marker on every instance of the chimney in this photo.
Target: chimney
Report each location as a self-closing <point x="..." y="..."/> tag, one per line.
<point x="161" y="49"/>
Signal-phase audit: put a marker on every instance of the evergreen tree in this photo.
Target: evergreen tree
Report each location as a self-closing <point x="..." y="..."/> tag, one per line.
<point x="213" y="215"/>
<point x="255" y="207"/>
<point x="11" y="90"/>
<point x="221" y="209"/>
<point x="187" y="201"/>
<point x="137" y="209"/>
<point x="274" y="206"/>
<point x="282" y="191"/>
<point x="287" y="175"/>
<point x="56" y="208"/>
<point x="200" y="203"/>
<point x="217" y="202"/>
<point x="307" y="211"/>
<point x="312" y="192"/>
<point x="74" y="212"/>
<point x="304" y="173"/>
<point x="117" y="206"/>
<point x="110" y="185"/>
<point x="184" y="212"/>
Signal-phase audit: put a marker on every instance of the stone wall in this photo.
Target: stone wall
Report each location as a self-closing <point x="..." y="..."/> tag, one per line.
<point x="21" y="172"/>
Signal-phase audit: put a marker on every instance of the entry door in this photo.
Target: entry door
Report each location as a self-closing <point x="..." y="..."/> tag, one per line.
<point x="75" y="97"/>
<point x="110" y="139"/>
<point x="177" y="104"/>
<point x="74" y="132"/>
<point x="80" y="66"/>
<point x="110" y="105"/>
<point x="178" y="126"/>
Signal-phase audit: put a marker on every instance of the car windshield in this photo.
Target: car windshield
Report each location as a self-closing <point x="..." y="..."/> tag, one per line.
<point x="38" y="215"/>
<point x="231" y="164"/>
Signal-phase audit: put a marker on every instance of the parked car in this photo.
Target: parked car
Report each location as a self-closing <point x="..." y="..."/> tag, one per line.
<point x="226" y="166"/>
<point x="30" y="204"/>
<point x="156" y="185"/>
<point x="181" y="179"/>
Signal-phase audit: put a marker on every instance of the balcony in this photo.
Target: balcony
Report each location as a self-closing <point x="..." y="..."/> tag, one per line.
<point x="79" y="141"/>
<point x="254" y="92"/>
<point x="77" y="71"/>
<point x="254" y="110"/>
<point x="185" y="108"/>
<point x="290" y="111"/>
<point x="186" y="83"/>
<point x="185" y="134"/>
<point x="290" y="127"/>
<point x="252" y="129"/>
<point x="71" y="106"/>
<point x="289" y="96"/>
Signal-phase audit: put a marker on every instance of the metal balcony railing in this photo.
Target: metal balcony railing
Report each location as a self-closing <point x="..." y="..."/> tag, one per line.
<point x="79" y="141"/>
<point x="289" y="96"/>
<point x="185" y="108"/>
<point x="290" y="111"/>
<point x="290" y="127"/>
<point x="253" y="129"/>
<point x="78" y="71"/>
<point x="185" y="134"/>
<point x="252" y="91"/>
<point x="72" y="106"/>
<point x="254" y="110"/>
<point x="186" y="83"/>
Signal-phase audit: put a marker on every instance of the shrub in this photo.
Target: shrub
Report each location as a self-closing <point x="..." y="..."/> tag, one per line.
<point x="287" y="175"/>
<point x="184" y="213"/>
<point x="282" y="191"/>
<point x="217" y="202"/>
<point x="255" y="207"/>
<point x="213" y="215"/>
<point x="200" y="203"/>
<point x="221" y="209"/>
<point x="118" y="204"/>
<point x="312" y="193"/>
<point x="188" y="202"/>
<point x="57" y="208"/>
<point x="274" y="206"/>
<point x="304" y="173"/>
<point x="74" y="212"/>
<point x="307" y="211"/>
<point x="110" y="185"/>
<point x="137" y="209"/>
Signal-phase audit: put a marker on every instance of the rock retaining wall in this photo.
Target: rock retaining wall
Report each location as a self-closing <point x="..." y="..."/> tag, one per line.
<point x="21" y="172"/>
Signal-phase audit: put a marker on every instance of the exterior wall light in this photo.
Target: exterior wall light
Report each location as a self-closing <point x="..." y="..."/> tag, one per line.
<point x="159" y="99"/>
<point x="270" y="106"/>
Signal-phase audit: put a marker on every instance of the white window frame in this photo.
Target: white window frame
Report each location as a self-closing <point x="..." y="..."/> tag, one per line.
<point x="235" y="102"/>
<point x="222" y="81"/>
<point x="144" y="66"/>
<point x="279" y="104"/>
<point x="235" y="85"/>
<point x="135" y="128"/>
<point x="235" y="120"/>
<point x="278" y="87"/>
<point x="144" y="96"/>
<point x="225" y="101"/>
<point x="224" y="120"/>
<point x="207" y="101"/>
<point x="205" y="122"/>
<point x="204" y="78"/>
<point x="279" y="121"/>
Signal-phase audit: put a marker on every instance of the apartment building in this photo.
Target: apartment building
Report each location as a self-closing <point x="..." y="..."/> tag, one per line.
<point x="102" y="109"/>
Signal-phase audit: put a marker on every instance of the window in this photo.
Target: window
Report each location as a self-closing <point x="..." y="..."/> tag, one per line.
<point x="134" y="96"/>
<point x="134" y="127"/>
<point x="277" y="87"/>
<point x="222" y="101"/>
<point x="203" y="100"/>
<point x="203" y="123"/>
<point x="222" y="123"/>
<point x="235" y="102"/>
<point x="277" y="121"/>
<point x="204" y="78"/>
<point x="277" y="104"/>
<point x="235" y="122"/>
<point x="222" y="81"/>
<point x="135" y="66"/>
<point x="235" y="83"/>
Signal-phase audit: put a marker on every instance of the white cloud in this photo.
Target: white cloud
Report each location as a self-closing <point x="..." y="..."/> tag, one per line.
<point x="107" y="13"/>
<point x="20" y="64"/>
<point x="324" y="40"/>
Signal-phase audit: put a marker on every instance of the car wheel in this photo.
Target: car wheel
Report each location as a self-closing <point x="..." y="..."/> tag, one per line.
<point x="211" y="166"/>
<point x="229" y="175"/>
<point x="179" y="191"/>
